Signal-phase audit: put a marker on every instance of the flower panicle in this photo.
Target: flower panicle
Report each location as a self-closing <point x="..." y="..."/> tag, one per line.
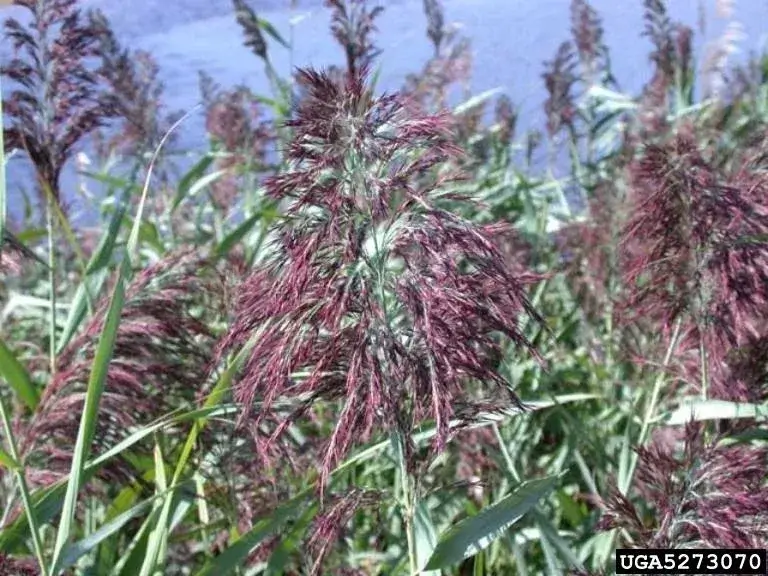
<point x="559" y="80"/>
<point x="672" y="58"/>
<point x="694" y="251"/>
<point x="57" y="97"/>
<point x="436" y="31"/>
<point x="251" y="26"/>
<point x="375" y="294"/>
<point x="160" y="357"/>
<point x="587" y="33"/>
<point x="131" y="76"/>
<point x="705" y="494"/>
<point x="235" y="121"/>
<point x="353" y="23"/>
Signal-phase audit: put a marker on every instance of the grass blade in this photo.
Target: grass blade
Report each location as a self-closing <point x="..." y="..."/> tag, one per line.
<point x="79" y="549"/>
<point x="698" y="410"/>
<point x="23" y="489"/>
<point x="234" y="556"/>
<point x="475" y="534"/>
<point x="99" y="370"/>
<point x="87" y="426"/>
<point x="3" y="200"/>
<point x="17" y="377"/>
<point x="425" y="536"/>
<point x="186" y="182"/>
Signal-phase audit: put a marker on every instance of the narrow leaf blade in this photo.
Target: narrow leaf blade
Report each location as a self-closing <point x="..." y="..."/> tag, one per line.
<point x="475" y="534"/>
<point x="14" y="373"/>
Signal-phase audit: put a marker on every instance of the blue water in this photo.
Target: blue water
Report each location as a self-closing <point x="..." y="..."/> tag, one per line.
<point x="510" y="40"/>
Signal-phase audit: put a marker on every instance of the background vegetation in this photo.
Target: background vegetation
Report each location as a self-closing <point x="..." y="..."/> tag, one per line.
<point x="368" y="334"/>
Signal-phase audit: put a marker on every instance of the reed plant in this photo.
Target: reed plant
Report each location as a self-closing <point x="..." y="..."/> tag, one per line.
<point x="367" y="333"/>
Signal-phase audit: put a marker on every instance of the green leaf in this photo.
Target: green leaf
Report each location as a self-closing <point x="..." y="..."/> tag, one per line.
<point x="475" y="101"/>
<point x="130" y="563"/>
<point x="291" y="540"/>
<point x="148" y="235"/>
<point x="552" y="536"/>
<point x="234" y="556"/>
<point x="14" y="373"/>
<point x="112" y="181"/>
<point x="485" y="419"/>
<point x="205" y="181"/>
<point x="158" y="537"/>
<point x="475" y="534"/>
<point x="99" y="370"/>
<point x="87" y="427"/>
<point x="32" y="235"/>
<point x="78" y="308"/>
<point x="609" y="101"/>
<point x="186" y="182"/>
<point x="156" y="540"/>
<point x="103" y="254"/>
<point x="75" y="551"/>
<point x="237" y="234"/>
<point x="96" y="274"/>
<point x="696" y="409"/>
<point x="425" y="536"/>
<point x="272" y="31"/>
<point x="7" y="461"/>
<point x="48" y="501"/>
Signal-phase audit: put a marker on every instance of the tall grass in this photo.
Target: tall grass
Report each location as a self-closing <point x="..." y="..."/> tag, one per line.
<point x="365" y="333"/>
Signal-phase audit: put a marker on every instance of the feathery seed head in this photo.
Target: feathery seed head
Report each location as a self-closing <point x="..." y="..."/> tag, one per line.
<point x="375" y="294"/>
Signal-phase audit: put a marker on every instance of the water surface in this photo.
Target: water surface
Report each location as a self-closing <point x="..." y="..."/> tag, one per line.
<point x="510" y="40"/>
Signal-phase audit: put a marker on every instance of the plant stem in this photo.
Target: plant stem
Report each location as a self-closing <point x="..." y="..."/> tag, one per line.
<point x="51" y="281"/>
<point x="651" y="407"/>
<point x="405" y="479"/>
<point x="511" y="468"/>
<point x="703" y="358"/>
<point x="24" y="490"/>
